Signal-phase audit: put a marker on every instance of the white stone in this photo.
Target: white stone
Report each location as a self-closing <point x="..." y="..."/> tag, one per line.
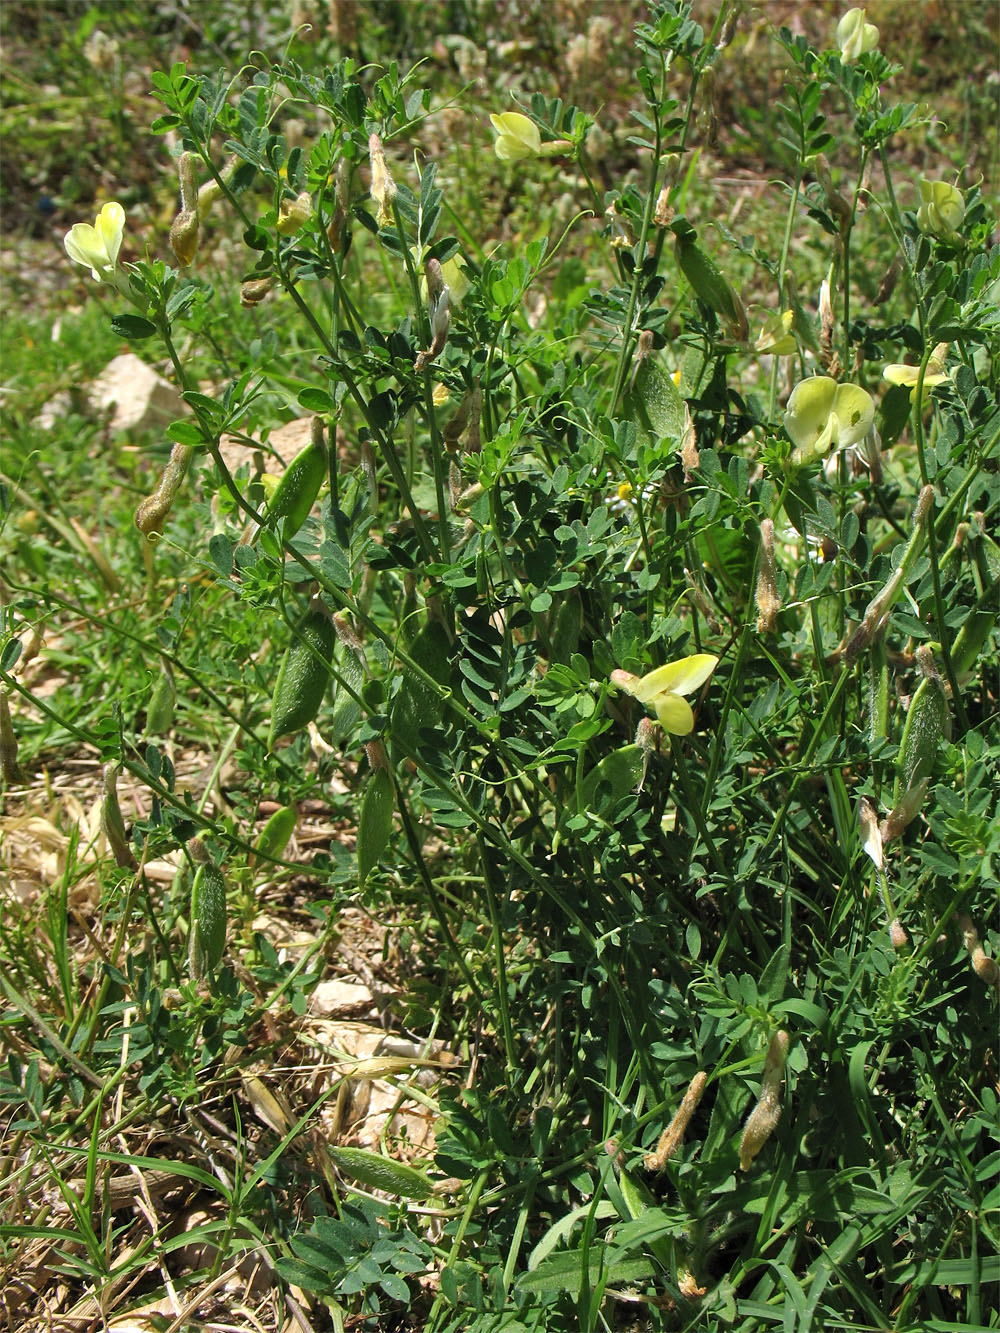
<point x="136" y="396"/>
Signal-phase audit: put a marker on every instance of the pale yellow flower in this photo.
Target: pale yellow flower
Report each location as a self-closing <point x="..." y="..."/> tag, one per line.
<point x="96" y="247"/>
<point x="517" y="136"/>
<point x="909" y="375"/>
<point x="662" y="689"/>
<point x="855" y="36"/>
<point x="822" y="414"/>
<point x="942" y="211"/>
<point x="775" y="338"/>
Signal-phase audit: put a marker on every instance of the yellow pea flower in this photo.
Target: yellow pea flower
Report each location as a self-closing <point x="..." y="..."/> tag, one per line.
<point x="517" y="137"/>
<point x="855" y="36"/>
<point x="776" y="336"/>
<point x="293" y="214"/>
<point x="942" y="211"/>
<point x="822" y="413"/>
<point x="909" y="375"/>
<point x="96" y="247"/>
<point x="662" y="689"/>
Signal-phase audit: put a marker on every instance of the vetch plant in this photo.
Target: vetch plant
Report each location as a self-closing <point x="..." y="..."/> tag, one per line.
<point x="422" y="545"/>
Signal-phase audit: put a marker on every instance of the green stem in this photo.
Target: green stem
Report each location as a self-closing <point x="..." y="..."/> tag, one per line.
<point x="496" y="928"/>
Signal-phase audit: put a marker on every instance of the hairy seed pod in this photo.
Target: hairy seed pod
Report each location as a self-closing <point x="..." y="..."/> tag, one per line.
<point x="303" y="676"/>
<point x="927" y="723"/>
<point x="112" y="822"/>
<point x="299" y="486"/>
<point x="276" y="834"/>
<point x="710" y="284"/>
<point x="984" y="967"/>
<point x="155" y="509"/>
<point x="670" y="1139"/>
<point x="764" y="1117"/>
<point x="8" y="743"/>
<point x="207" y="938"/>
<point x="160" y="710"/>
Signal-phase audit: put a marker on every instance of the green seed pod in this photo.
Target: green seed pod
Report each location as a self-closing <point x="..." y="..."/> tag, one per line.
<point x="877" y="706"/>
<point x="160" y="711"/>
<point x="565" y="634"/>
<point x="296" y="492"/>
<point x="620" y="772"/>
<point x="303" y="677"/>
<point x="346" y="709"/>
<point x="709" y="282"/>
<point x="112" y="822"/>
<point x="382" y="1173"/>
<point x="375" y="822"/>
<point x="8" y="743"/>
<point x="926" y="723"/>
<point x="276" y="834"/>
<point x="207" y="938"/>
<point x="654" y="403"/>
<point x="418" y="707"/>
<point x="974" y="632"/>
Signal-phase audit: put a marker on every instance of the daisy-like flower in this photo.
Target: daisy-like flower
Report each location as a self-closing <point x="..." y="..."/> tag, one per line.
<point x="823" y="414"/>
<point x="909" y="375"/>
<point x="855" y="36"/>
<point x="942" y="210"/>
<point x="517" y="136"/>
<point x="662" y="689"/>
<point x="96" y="247"/>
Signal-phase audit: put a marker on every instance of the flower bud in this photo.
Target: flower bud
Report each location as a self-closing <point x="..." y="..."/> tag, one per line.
<point x="368" y="467"/>
<point x="663" y="213"/>
<point x="826" y="320"/>
<point x="942" y="211"/>
<point x="870" y="835"/>
<point x="836" y="202"/>
<point x="888" y="284"/>
<point x="768" y="600"/>
<point x="378" y="759"/>
<point x="184" y="237"/>
<point x="383" y="187"/>
<point x="348" y="635"/>
<point x="855" y="36"/>
<point x="690" y="457"/>
<point x="439" y="308"/>
<point x="984" y="967"/>
<point x="340" y="202"/>
<point x="898" y="937"/>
